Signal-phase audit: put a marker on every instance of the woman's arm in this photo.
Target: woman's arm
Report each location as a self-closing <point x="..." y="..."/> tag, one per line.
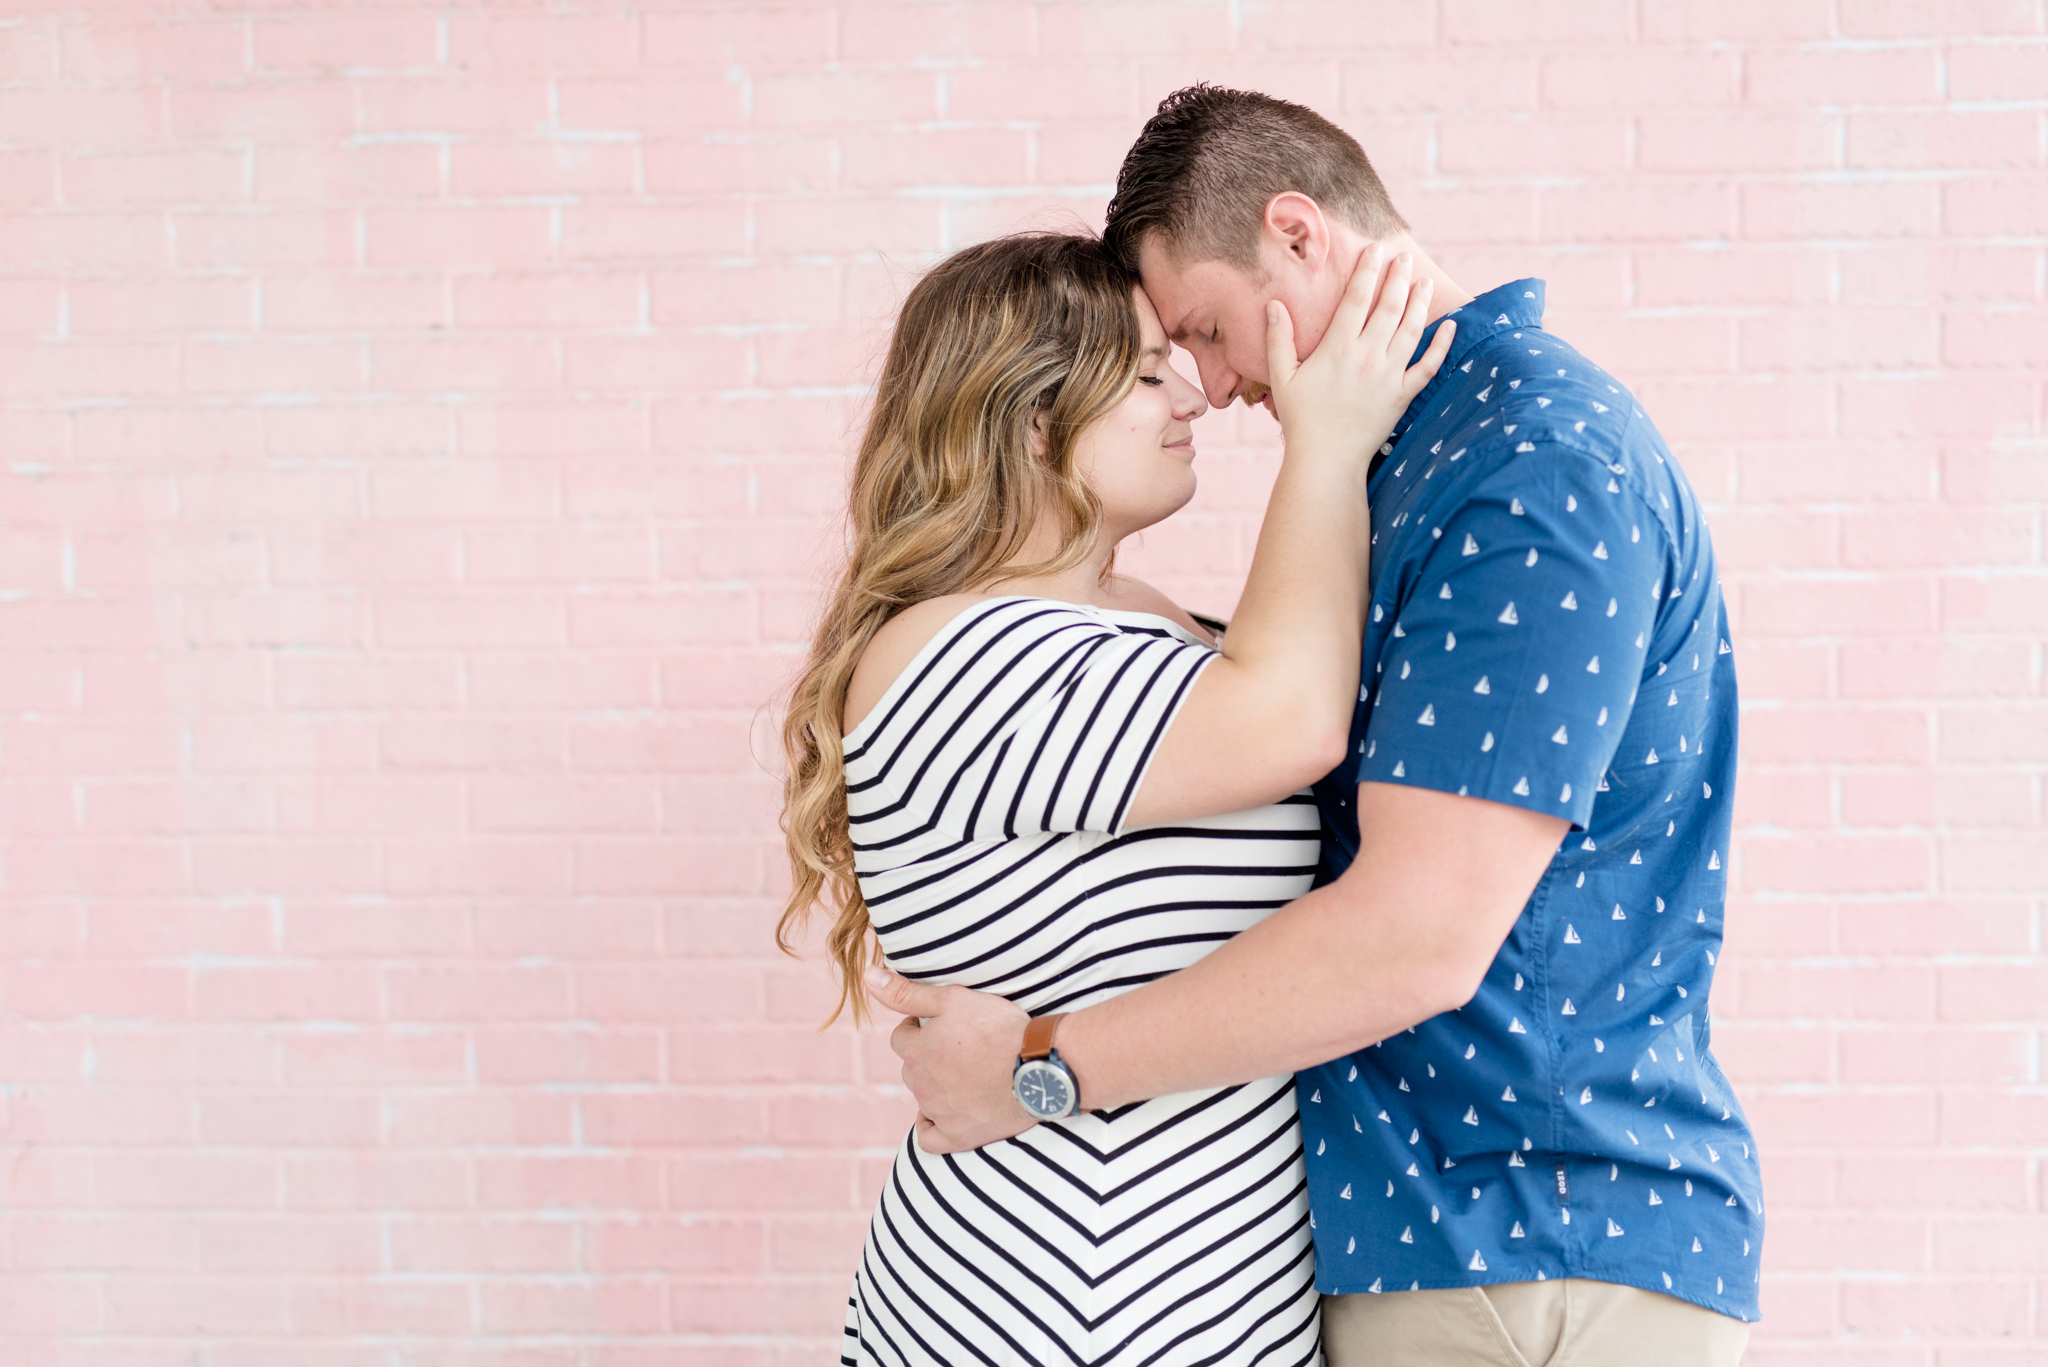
<point x="1274" y="713"/>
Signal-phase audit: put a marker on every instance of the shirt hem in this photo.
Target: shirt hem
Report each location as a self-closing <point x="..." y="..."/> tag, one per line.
<point x="1587" y="1274"/>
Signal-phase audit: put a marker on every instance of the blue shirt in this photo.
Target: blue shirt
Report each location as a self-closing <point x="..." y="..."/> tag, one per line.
<point x="1546" y="631"/>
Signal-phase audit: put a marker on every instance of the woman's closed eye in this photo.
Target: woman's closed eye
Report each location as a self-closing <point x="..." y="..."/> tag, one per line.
<point x="1153" y="380"/>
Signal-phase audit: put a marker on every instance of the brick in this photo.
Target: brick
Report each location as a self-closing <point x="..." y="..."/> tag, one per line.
<point x="1650" y="79"/>
<point x="1930" y="404"/>
<point x="1992" y="736"/>
<point x="794" y="35"/>
<point x="161" y="306"/>
<point x="1793" y="20"/>
<point x="1947" y="141"/>
<point x="481" y="1244"/>
<point x="1996" y="863"/>
<point x="275" y="238"/>
<point x="1376" y="83"/>
<point x="404" y="236"/>
<point x="554" y="167"/>
<point x="1848" y="76"/>
<point x="1997" y="71"/>
<point x="1983" y="1245"/>
<point x="550" y="1307"/>
<point x="1922" y="274"/>
<point x="274" y="993"/>
<point x="1985" y="207"/>
<point x="1926" y="18"/>
<point x="566" y="1054"/>
<point x="848" y="96"/>
<point x="1838" y="339"/>
<point x="478" y="866"/>
<point x="420" y="1184"/>
<point x="664" y="106"/>
<point x="494" y="1119"/>
<point x="193" y="176"/>
<point x="515" y="41"/>
<point x="2000" y="340"/>
<point x="358" y="42"/>
<point x="511" y="804"/>
<point x="1076" y="26"/>
<point x="1841" y="209"/>
<point x="1943" y="1180"/>
<point x="654" y="232"/>
<point x="477" y="992"/>
<point x="271" y="112"/>
<point x="671" y="1245"/>
<point x="321" y="174"/>
<point x="471" y="619"/>
<point x="757" y="164"/>
<point x="1968" y="1307"/>
<point x="29" y="53"/>
<point x="1696" y="142"/>
<point x="583" y="299"/>
<point x="1492" y="21"/>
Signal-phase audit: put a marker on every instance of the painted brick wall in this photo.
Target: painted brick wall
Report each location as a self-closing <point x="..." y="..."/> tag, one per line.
<point x="420" y="432"/>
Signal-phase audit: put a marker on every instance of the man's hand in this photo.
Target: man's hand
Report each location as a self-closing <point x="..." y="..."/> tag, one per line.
<point x="957" y="1062"/>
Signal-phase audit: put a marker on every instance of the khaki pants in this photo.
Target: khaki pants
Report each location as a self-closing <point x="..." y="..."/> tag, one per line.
<point x="1570" y="1322"/>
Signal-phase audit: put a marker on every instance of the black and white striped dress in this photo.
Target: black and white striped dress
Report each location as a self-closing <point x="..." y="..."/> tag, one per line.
<point x="987" y="792"/>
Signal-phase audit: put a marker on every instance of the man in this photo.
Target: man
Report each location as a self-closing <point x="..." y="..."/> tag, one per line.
<point x="1524" y="1149"/>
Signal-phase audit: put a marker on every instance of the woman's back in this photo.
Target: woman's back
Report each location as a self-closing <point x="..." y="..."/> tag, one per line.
<point x="986" y="794"/>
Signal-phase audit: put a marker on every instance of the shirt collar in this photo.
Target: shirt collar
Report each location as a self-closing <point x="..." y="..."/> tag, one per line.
<point x="1517" y="304"/>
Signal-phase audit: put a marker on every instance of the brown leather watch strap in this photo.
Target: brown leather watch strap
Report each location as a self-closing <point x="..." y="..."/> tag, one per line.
<point x="1038" y="1035"/>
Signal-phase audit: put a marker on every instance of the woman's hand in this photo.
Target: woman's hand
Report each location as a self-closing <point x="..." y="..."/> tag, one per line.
<point x="1352" y="389"/>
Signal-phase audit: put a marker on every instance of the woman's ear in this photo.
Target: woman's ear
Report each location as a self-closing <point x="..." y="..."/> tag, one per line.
<point x="1034" y="431"/>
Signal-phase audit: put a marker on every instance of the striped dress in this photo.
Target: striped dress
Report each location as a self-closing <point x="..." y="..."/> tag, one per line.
<point x="987" y="793"/>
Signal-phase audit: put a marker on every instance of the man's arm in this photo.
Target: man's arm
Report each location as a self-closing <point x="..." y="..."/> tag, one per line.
<point x="1406" y="934"/>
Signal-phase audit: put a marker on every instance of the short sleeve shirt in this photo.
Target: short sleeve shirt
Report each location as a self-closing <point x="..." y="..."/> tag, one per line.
<point x="1547" y="631"/>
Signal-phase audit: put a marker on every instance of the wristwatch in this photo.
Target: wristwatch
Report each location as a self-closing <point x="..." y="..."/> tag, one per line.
<point x="1043" y="1083"/>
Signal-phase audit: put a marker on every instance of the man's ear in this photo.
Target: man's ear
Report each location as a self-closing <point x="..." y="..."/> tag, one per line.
<point x="1295" y="225"/>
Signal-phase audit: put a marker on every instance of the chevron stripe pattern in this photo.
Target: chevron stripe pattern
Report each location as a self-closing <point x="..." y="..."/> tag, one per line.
<point x="986" y="792"/>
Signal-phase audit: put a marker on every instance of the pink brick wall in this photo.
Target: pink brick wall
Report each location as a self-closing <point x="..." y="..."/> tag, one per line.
<point x="419" y="435"/>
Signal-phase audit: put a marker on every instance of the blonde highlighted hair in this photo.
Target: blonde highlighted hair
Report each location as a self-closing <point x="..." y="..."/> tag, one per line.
<point x="1035" y="329"/>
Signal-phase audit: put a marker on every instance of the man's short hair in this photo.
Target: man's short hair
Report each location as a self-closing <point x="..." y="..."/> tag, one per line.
<point x="1209" y="161"/>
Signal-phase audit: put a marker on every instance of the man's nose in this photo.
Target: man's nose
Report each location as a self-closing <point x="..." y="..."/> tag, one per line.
<point x="1219" y="381"/>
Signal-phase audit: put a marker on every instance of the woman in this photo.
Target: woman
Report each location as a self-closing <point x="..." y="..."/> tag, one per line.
<point x="1018" y="771"/>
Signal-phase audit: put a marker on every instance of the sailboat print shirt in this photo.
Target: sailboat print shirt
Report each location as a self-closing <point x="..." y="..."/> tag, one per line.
<point x="1546" y="631"/>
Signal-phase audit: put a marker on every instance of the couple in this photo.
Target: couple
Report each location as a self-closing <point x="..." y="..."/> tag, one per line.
<point x="1483" y="623"/>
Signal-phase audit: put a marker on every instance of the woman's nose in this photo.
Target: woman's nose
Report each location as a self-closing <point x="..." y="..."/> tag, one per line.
<point x="1188" y="402"/>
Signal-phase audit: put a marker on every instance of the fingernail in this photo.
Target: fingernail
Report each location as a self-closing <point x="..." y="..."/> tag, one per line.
<point x="878" y="978"/>
<point x="1272" y="310"/>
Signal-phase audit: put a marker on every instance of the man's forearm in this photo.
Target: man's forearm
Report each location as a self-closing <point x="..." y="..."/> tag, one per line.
<point x="1314" y="981"/>
<point x="1406" y="934"/>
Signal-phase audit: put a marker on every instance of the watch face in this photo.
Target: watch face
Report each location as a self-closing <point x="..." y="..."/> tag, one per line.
<point x="1044" y="1089"/>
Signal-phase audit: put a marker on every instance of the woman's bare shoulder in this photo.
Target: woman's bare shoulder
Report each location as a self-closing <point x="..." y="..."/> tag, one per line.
<point x="895" y="645"/>
<point x="1135" y="595"/>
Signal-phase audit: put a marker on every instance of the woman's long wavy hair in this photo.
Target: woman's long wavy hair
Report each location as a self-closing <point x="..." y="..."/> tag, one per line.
<point x="1035" y="329"/>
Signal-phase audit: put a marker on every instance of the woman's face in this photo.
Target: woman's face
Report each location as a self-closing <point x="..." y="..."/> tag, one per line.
<point x="1139" y="457"/>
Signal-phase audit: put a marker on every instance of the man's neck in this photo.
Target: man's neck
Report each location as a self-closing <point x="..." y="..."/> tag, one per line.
<point x="1449" y="295"/>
